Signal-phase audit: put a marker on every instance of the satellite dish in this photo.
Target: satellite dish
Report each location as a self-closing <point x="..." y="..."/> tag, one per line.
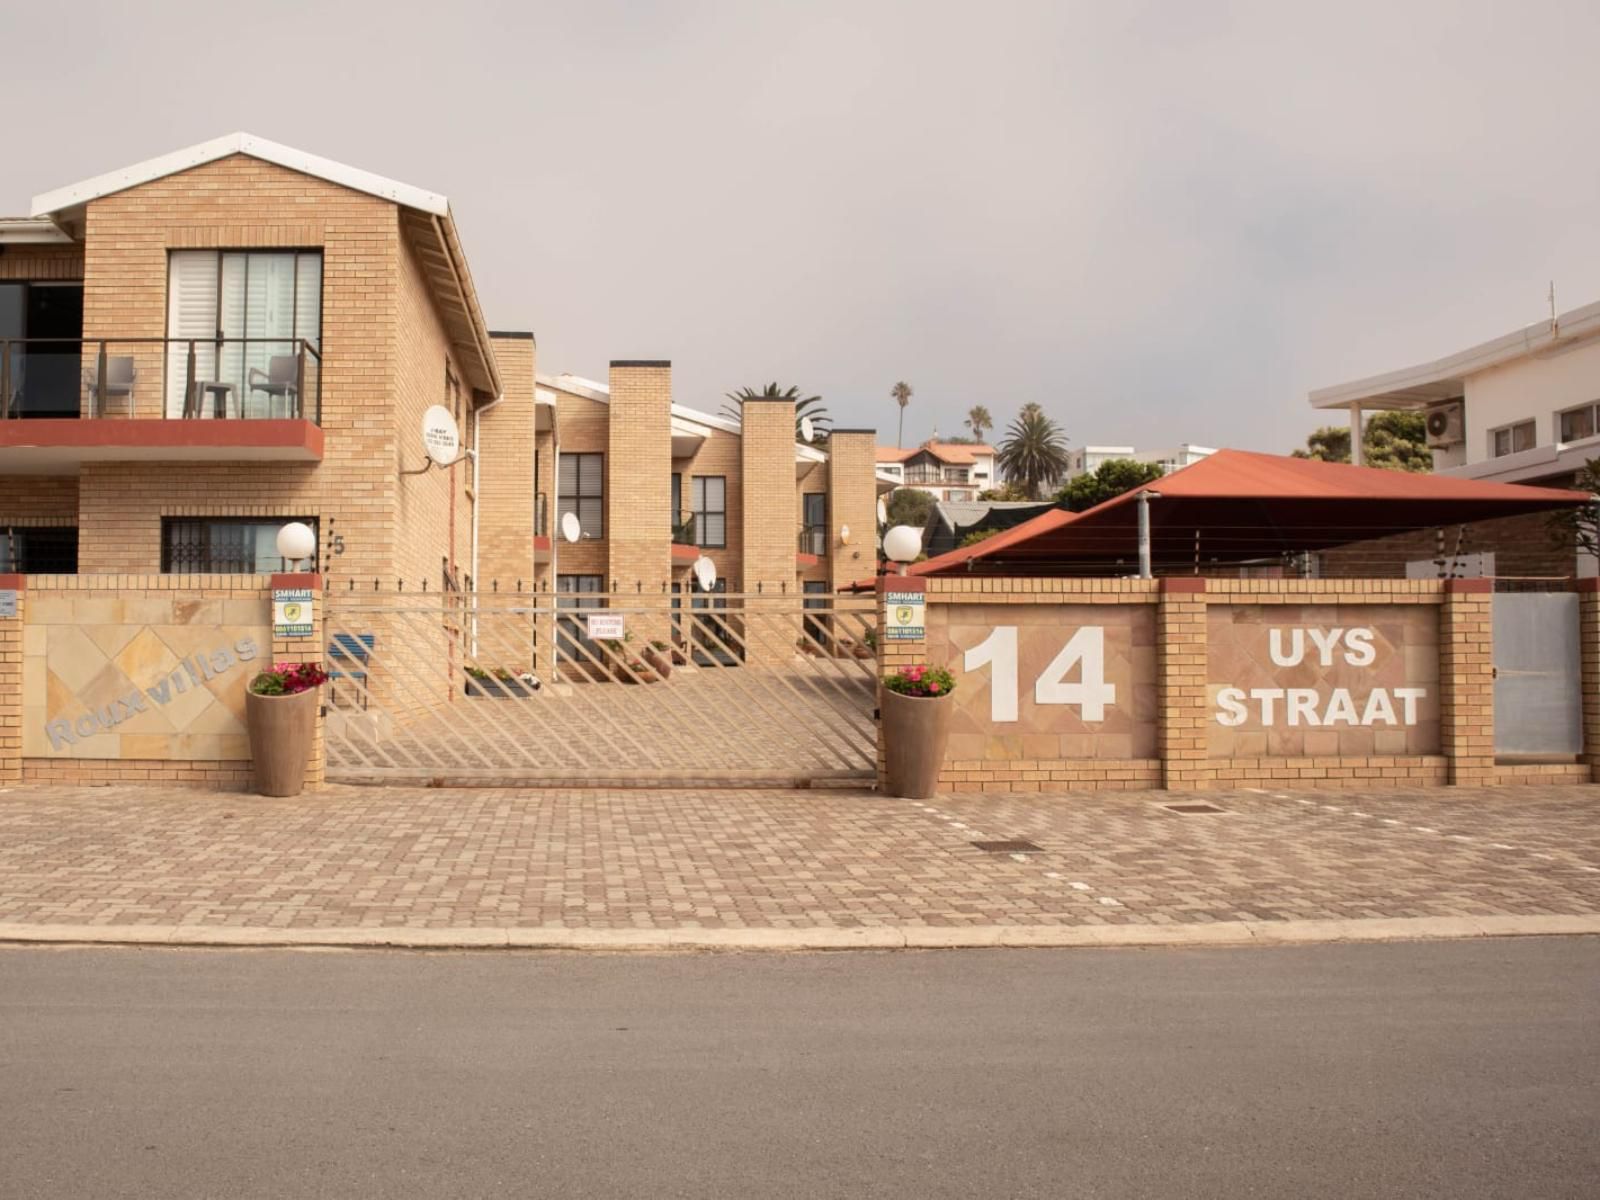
<point x="705" y="573"/>
<point x="440" y="437"/>
<point x="807" y="429"/>
<point x="883" y="513"/>
<point x="570" y="528"/>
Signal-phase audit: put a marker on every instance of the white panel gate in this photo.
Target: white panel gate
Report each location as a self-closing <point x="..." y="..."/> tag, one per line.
<point x="1538" y="697"/>
<point x="527" y="689"/>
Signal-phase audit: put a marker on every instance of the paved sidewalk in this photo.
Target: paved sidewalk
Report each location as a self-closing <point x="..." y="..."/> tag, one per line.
<point x="425" y="866"/>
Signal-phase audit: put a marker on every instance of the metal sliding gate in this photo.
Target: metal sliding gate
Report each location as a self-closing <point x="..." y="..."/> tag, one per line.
<point x="597" y="688"/>
<point x="1538" y="697"/>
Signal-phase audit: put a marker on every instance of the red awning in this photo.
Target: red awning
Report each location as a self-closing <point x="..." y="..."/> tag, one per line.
<point x="1237" y="506"/>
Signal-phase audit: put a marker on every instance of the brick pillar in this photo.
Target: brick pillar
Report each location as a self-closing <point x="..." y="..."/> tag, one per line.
<point x="11" y="685"/>
<point x="307" y="649"/>
<point x="639" y="494"/>
<point x="1589" y="641"/>
<point x="769" y="531"/>
<point x="852" y="501"/>
<point x="1466" y="681"/>
<point x="894" y="655"/>
<point x="505" y="500"/>
<point x="1181" y="684"/>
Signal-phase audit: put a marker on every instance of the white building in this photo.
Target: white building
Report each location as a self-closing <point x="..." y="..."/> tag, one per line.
<point x="1523" y="408"/>
<point x="948" y="470"/>
<point x="1087" y="459"/>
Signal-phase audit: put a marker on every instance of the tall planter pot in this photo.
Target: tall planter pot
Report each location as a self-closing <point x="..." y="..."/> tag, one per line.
<point x="915" y="730"/>
<point x="281" y="731"/>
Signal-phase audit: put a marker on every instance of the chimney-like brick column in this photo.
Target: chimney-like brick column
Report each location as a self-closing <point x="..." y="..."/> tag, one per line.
<point x="638" y="491"/>
<point x="769" y="533"/>
<point x="1181" y="673"/>
<point x="505" y="471"/>
<point x="852" y="501"/>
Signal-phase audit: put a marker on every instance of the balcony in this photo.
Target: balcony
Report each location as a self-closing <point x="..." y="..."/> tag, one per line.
<point x="64" y="402"/>
<point x="814" y="540"/>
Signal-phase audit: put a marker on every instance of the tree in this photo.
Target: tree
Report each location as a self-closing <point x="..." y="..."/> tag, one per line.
<point x="1006" y="493"/>
<point x="1034" y="453"/>
<point x="807" y="406"/>
<point x="1110" y="478"/>
<point x="910" y="506"/>
<point x="902" y="396"/>
<point x="1395" y="441"/>
<point x="976" y="536"/>
<point x="979" y="420"/>
<point x="1580" y="527"/>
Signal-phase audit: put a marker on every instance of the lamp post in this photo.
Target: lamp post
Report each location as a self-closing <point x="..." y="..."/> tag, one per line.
<point x="297" y="541"/>
<point x="902" y="544"/>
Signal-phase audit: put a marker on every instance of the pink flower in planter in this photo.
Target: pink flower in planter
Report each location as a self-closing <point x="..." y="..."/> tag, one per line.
<point x="934" y="687"/>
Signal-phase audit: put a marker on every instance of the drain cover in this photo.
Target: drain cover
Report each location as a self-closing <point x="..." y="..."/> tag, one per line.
<point x="1192" y="808"/>
<point x="1017" y="846"/>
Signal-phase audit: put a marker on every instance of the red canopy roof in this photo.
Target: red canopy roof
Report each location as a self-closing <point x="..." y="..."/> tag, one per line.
<point x="1236" y="505"/>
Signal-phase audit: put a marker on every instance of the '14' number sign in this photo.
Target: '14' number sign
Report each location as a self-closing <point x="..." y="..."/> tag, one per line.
<point x="1085" y="649"/>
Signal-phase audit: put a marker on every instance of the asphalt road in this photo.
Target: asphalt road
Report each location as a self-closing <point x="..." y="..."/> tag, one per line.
<point x="1459" y="1070"/>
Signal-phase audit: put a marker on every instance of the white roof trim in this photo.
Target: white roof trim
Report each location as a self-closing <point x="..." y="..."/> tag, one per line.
<point x="712" y="420"/>
<point x="544" y="396"/>
<point x="1428" y="382"/>
<point x="76" y="194"/>
<point x="577" y="386"/>
<point x="32" y="231"/>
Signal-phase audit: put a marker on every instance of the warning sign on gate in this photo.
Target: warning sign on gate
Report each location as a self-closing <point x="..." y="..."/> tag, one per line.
<point x="606" y="627"/>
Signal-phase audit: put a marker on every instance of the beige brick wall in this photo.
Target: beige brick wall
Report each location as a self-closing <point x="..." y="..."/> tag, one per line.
<point x="506" y="470"/>
<point x="852" y="501"/>
<point x="768" y="533"/>
<point x="638" y="475"/>
<point x="719" y="454"/>
<point x="582" y="427"/>
<point x="42" y="263"/>
<point x="38" y="500"/>
<point x="1465" y="683"/>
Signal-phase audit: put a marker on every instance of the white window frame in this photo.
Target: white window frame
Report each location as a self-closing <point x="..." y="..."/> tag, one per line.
<point x="1511" y="431"/>
<point x="1592" y="408"/>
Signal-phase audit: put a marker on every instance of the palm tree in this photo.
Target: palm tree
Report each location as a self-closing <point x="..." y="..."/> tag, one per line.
<point x="807" y="406"/>
<point x="978" y="420"/>
<point x="1034" y="452"/>
<point x="902" y="394"/>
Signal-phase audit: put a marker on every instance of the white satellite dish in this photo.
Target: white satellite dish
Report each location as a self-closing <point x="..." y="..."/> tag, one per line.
<point x="570" y="528"/>
<point x="807" y="430"/>
<point x="705" y="573"/>
<point x="440" y="437"/>
<point x="883" y="513"/>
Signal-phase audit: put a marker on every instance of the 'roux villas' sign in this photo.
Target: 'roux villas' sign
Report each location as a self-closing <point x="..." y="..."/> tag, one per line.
<point x="1322" y="681"/>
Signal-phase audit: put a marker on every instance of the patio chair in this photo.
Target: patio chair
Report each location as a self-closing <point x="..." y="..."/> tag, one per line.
<point x="354" y="649"/>
<point x="120" y="376"/>
<point x="281" y="378"/>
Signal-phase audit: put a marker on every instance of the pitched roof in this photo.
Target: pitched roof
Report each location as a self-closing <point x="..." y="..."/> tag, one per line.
<point x="954" y="453"/>
<point x="1242" y="505"/>
<point x="425" y="216"/>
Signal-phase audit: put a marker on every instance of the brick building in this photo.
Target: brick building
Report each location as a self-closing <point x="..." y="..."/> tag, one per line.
<point x="654" y="486"/>
<point x="200" y="348"/>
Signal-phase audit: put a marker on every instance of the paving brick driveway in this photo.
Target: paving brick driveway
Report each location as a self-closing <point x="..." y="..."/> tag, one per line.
<point x="421" y="858"/>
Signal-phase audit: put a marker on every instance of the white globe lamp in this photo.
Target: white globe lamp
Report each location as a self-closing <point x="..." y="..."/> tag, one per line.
<point x="296" y="541"/>
<point x="902" y="544"/>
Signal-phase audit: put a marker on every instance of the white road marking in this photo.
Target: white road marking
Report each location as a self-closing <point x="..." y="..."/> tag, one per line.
<point x="1019" y="858"/>
<point x="1459" y="837"/>
<point x="1110" y="903"/>
<point x="1333" y="808"/>
<point x="1424" y="829"/>
<point x="1501" y="846"/>
<point x="1078" y="887"/>
<point x="1052" y="874"/>
<point x="1390" y="821"/>
<point x="1354" y="813"/>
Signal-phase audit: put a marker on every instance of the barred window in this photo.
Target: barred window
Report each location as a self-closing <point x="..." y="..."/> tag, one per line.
<point x="39" y="549"/>
<point x="224" y="545"/>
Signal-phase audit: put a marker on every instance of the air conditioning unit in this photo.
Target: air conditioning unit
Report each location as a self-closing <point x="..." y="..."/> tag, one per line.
<point x="1447" y="426"/>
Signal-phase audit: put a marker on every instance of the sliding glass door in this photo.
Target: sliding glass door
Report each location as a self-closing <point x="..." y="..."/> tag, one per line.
<point x="247" y="311"/>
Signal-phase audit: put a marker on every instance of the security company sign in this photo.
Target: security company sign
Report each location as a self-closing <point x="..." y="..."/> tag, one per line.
<point x="905" y="611"/>
<point x="292" y="612"/>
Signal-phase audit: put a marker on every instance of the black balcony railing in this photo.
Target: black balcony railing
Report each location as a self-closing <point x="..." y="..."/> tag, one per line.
<point x="814" y="540"/>
<point x="161" y="378"/>
<point x="683" y="533"/>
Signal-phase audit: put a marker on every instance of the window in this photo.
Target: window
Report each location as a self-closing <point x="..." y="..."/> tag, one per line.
<point x="710" y="495"/>
<point x="1579" y="423"/>
<point x="224" y="545"/>
<point x="580" y="489"/>
<point x="573" y="643"/>
<point x="39" y="550"/>
<point x="682" y="522"/>
<point x="816" y="597"/>
<point x="243" y="308"/>
<point x="1512" y="439"/>
<point x="814" y="526"/>
<point x="44" y="374"/>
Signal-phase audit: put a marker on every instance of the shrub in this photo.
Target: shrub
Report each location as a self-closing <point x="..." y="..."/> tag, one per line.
<point x="920" y="680"/>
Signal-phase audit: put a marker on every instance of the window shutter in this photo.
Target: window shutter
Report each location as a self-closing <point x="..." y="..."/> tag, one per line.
<point x="191" y="313"/>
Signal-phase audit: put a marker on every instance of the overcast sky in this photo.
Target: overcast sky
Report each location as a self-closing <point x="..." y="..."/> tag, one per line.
<point x="1163" y="222"/>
